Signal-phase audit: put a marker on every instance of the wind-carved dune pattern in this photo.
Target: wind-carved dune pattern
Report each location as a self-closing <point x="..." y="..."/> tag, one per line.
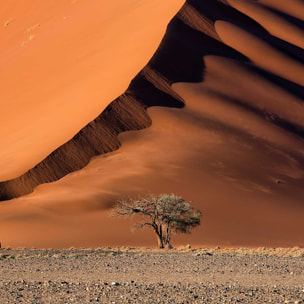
<point x="216" y="33"/>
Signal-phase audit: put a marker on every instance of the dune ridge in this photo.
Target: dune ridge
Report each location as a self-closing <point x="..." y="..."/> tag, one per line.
<point x="147" y="89"/>
<point x="76" y="153"/>
<point x="62" y="64"/>
<point x="195" y="32"/>
<point x="127" y="112"/>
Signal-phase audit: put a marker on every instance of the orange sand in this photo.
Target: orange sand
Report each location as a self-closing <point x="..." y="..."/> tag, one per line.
<point x="222" y="151"/>
<point x="62" y="64"/>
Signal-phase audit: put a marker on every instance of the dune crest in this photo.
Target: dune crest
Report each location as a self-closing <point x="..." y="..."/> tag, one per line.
<point x="293" y="7"/>
<point x="260" y="52"/>
<point x="222" y="98"/>
<point x="62" y="64"/>
<point x="276" y="25"/>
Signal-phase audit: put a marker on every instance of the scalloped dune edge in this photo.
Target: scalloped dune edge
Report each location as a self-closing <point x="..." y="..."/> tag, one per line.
<point x="151" y="87"/>
<point x="31" y="140"/>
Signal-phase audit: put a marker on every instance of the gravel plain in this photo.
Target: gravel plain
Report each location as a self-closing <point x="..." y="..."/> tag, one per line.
<point x="142" y="275"/>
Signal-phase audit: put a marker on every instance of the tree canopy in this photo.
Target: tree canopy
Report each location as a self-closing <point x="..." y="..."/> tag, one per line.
<point x="166" y="214"/>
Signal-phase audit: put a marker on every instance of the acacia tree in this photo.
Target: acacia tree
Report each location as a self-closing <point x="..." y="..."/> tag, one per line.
<point x="166" y="214"/>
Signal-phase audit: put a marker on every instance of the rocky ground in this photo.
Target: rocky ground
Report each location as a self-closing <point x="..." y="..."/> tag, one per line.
<point x="130" y="275"/>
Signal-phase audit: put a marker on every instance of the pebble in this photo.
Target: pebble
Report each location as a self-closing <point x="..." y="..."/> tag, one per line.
<point x="152" y="278"/>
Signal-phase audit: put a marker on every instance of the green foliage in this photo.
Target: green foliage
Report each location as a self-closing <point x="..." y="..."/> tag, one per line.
<point x="166" y="214"/>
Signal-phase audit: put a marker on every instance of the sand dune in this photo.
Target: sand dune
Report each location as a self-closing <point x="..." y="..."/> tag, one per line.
<point x="293" y="8"/>
<point x="61" y="65"/>
<point x="228" y="76"/>
<point x="260" y="52"/>
<point x="276" y="25"/>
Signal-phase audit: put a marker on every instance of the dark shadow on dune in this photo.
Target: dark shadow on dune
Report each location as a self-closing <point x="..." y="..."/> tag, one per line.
<point x="219" y="11"/>
<point x="289" y="49"/>
<point x="98" y="137"/>
<point x="179" y="58"/>
<point x="285" y="47"/>
<point x="271" y="117"/>
<point x="215" y="10"/>
<point x="287" y="126"/>
<point x="289" y="86"/>
<point x="218" y="126"/>
<point x="145" y="91"/>
<point x="293" y="20"/>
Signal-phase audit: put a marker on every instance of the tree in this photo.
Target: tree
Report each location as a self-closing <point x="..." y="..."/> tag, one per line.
<point x="166" y="214"/>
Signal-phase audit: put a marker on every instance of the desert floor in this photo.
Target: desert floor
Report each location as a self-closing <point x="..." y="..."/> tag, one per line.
<point x="141" y="275"/>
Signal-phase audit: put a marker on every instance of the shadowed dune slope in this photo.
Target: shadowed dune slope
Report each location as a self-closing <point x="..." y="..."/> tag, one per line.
<point x="179" y="58"/>
<point x="221" y="108"/>
<point x="60" y="66"/>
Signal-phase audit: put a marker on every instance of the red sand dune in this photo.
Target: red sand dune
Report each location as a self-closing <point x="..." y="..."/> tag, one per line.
<point x="236" y="65"/>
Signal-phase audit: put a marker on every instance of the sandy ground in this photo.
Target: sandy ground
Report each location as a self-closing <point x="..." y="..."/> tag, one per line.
<point x="130" y="275"/>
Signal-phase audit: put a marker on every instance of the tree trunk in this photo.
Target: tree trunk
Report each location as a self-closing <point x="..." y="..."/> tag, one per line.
<point x="160" y="239"/>
<point x="160" y="242"/>
<point x="168" y="238"/>
<point x="168" y="246"/>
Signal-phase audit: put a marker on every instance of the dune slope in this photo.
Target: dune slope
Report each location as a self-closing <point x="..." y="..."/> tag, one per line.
<point x="229" y="136"/>
<point x="62" y="64"/>
<point x="177" y="59"/>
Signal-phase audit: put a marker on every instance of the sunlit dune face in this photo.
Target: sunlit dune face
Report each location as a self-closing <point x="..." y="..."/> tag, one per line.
<point x="62" y="64"/>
